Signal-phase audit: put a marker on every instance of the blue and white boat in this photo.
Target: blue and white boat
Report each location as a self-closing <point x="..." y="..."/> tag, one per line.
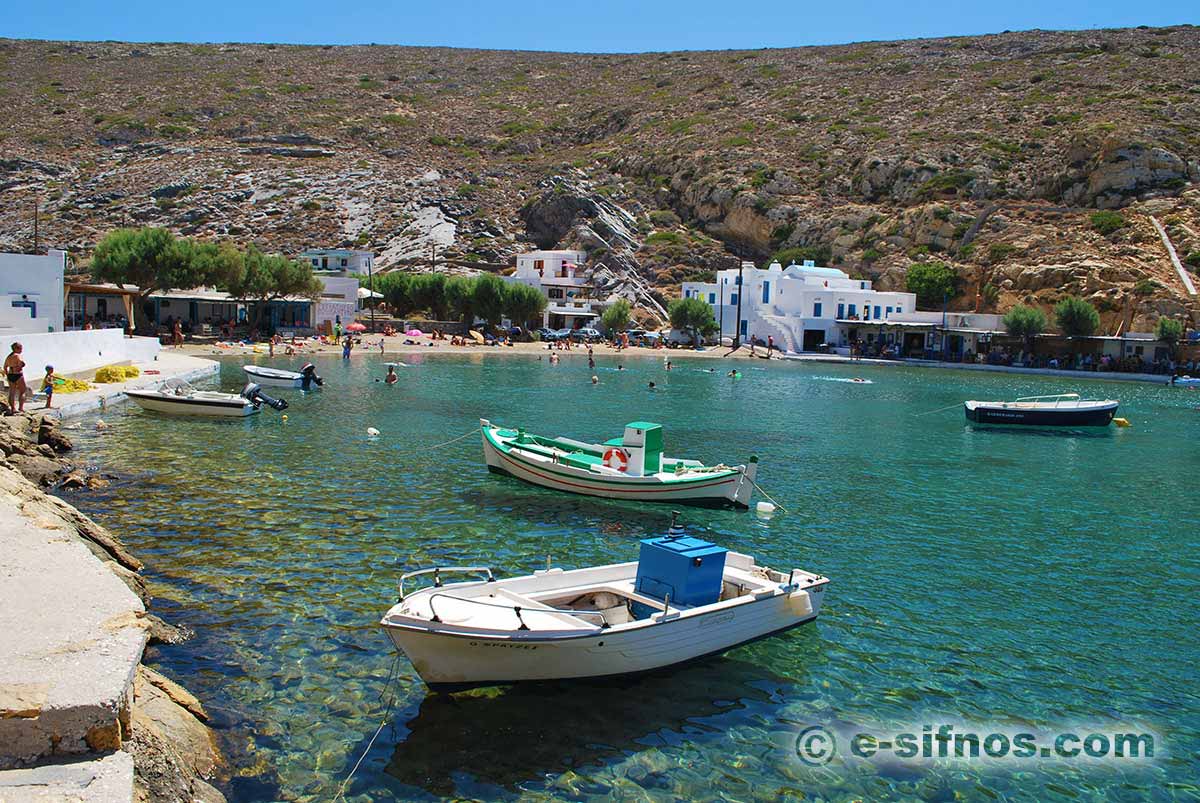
<point x="682" y="600"/>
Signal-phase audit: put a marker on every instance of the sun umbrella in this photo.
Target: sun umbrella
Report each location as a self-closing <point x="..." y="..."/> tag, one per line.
<point x="356" y="327"/>
<point x="478" y="338"/>
<point x="414" y="333"/>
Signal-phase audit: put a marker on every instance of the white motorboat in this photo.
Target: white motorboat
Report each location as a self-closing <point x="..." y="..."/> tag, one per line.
<point x="683" y="599"/>
<point x="177" y="397"/>
<point x="1185" y="382"/>
<point x="1058" y="410"/>
<point x="304" y="379"/>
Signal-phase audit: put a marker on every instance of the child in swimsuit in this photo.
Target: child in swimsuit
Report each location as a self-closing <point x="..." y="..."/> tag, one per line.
<point x="48" y="385"/>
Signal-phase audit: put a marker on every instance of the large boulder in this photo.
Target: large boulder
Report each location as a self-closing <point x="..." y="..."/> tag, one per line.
<point x="1116" y="175"/>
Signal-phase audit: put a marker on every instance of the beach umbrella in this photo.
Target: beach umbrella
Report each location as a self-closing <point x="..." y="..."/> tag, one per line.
<point x="356" y="327"/>
<point x="414" y="333"/>
<point x="365" y="293"/>
<point x="478" y="338"/>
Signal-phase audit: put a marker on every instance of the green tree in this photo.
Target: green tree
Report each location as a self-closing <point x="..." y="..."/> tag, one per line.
<point x="1026" y="323"/>
<point x="932" y="282"/>
<point x="489" y="298"/>
<point x="694" y="316"/>
<point x="1076" y="317"/>
<point x="616" y="318"/>
<point x="394" y="287"/>
<point x="460" y="298"/>
<point x="151" y="258"/>
<point x="428" y="292"/>
<point x="1169" y="331"/>
<point x="265" y="277"/>
<point x="523" y="302"/>
<point x="820" y="254"/>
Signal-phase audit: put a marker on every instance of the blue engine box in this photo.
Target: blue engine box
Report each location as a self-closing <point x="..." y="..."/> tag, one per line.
<point x="689" y="569"/>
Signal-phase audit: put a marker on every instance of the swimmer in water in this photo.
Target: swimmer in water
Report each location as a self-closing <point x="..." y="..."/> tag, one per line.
<point x="391" y="377"/>
<point x="734" y="374"/>
<point x="620" y="367"/>
<point x="652" y="386"/>
<point x="595" y="379"/>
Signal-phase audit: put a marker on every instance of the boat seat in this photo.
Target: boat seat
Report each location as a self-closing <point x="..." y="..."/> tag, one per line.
<point x="589" y="448"/>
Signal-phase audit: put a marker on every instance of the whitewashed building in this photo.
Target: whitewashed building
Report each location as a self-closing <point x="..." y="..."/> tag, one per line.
<point x="338" y="302"/>
<point x="339" y="259"/>
<point x="800" y="307"/>
<point x="31" y="292"/>
<point x="560" y="275"/>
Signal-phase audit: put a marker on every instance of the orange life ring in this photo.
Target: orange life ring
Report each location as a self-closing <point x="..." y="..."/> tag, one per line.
<point x="616" y="458"/>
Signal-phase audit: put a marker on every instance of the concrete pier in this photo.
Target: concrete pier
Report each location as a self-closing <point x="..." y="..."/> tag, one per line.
<point x="73" y="636"/>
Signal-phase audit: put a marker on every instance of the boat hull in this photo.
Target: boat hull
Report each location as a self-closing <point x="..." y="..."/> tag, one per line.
<point x="281" y="379"/>
<point x="1099" y="416"/>
<point x="731" y="488"/>
<point x="456" y="661"/>
<point x="159" y="403"/>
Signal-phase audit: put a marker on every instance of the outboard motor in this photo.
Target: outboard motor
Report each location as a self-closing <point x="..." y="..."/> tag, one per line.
<point x="308" y="375"/>
<point x="253" y="392"/>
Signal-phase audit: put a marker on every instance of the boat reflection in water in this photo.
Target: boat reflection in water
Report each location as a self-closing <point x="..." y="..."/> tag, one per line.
<point x="479" y="743"/>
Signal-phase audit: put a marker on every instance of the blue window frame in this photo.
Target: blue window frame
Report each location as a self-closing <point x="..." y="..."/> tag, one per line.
<point x="899" y="310"/>
<point x="853" y="310"/>
<point x="737" y="280"/>
<point x="841" y="311"/>
<point x="766" y="292"/>
<point x="744" y="328"/>
<point x="889" y="310"/>
<point x="816" y="309"/>
<point x="712" y="298"/>
<point x="733" y="299"/>
<point x="31" y="305"/>
<point x="878" y="312"/>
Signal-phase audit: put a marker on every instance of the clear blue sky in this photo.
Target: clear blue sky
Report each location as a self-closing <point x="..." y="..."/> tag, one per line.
<point x="596" y="26"/>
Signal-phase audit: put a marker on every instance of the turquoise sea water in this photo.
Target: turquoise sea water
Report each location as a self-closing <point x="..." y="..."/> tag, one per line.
<point x="979" y="576"/>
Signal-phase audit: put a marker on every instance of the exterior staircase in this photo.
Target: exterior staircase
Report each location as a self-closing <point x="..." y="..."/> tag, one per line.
<point x="785" y="336"/>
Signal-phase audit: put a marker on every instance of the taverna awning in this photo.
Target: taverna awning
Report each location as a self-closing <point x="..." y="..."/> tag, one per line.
<point x="365" y="293"/>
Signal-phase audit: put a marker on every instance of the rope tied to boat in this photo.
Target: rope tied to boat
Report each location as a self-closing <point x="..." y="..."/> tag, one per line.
<point x="393" y="676"/>
<point x="469" y="433"/>
<point x="938" y="410"/>
<point x="758" y="488"/>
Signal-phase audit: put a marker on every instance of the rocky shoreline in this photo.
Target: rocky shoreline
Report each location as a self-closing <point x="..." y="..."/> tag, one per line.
<point x="151" y="719"/>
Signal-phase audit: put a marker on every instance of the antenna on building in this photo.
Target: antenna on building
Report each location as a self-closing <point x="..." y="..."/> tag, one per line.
<point x="36" y="203"/>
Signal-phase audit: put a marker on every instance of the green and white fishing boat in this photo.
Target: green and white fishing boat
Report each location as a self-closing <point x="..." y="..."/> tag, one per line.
<point x="628" y="467"/>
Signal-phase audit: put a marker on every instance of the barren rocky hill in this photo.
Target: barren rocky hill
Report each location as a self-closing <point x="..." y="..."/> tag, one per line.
<point x="990" y="153"/>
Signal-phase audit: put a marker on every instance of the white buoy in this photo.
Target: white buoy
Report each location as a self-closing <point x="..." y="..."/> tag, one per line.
<point x="372" y="432"/>
<point x="764" y="507"/>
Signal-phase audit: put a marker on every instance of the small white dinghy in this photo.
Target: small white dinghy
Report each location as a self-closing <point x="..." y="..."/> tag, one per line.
<point x="304" y="379"/>
<point x="177" y="397"/>
<point x="683" y="599"/>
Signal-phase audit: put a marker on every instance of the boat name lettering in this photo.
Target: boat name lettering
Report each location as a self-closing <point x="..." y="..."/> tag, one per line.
<point x="508" y="646"/>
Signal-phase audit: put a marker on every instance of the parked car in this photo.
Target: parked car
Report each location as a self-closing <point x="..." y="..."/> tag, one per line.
<point x="514" y="332"/>
<point x="547" y="334"/>
<point x="586" y="334"/>
<point x="563" y="334"/>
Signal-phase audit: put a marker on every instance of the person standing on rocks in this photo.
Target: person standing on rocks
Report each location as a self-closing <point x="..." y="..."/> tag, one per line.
<point x="14" y="372"/>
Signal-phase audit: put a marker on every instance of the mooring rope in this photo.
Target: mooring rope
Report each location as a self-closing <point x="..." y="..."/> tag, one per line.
<point x="467" y="434"/>
<point x="387" y="715"/>
<point x="938" y="410"/>
<point x="761" y="491"/>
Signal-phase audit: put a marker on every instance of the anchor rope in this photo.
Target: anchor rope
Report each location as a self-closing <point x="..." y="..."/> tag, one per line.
<point x="469" y="433"/>
<point x="387" y="715"/>
<point x="938" y="410"/>
<point x="764" y="493"/>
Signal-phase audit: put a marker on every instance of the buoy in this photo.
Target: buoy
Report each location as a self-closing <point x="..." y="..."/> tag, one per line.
<point x="764" y="507"/>
<point x="1122" y="422"/>
<point x="285" y="416"/>
<point x="372" y="432"/>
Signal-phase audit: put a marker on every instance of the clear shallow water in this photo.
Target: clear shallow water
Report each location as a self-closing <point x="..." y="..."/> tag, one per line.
<point x="978" y="575"/>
